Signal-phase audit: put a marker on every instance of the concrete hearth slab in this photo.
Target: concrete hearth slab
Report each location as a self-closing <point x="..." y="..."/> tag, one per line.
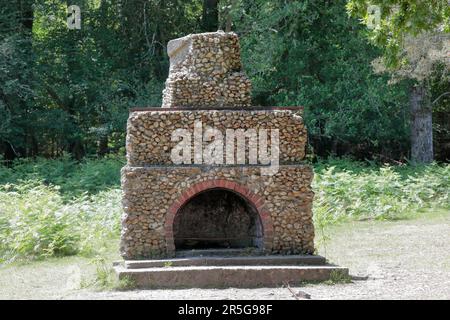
<point x="227" y="276"/>
<point x="296" y="260"/>
<point x="223" y="252"/>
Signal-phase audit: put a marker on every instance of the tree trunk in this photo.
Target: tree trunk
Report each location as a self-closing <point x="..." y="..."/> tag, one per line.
<point x="9" y="154"/>
<point x="103" y="146"/>
<point x="76" y="149"/>
<point x="210" y="17"/>
<point x="26" y="21"/>
<point x="26" y="7"/>
<point x="229" y="21"/>
<point x="421" y="125"/>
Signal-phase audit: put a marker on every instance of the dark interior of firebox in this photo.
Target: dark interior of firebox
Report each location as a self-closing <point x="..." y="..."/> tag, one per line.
<point x="217" y="219"/>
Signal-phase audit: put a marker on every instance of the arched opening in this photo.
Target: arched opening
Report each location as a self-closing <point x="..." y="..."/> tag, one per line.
<point x="217" y="219"/>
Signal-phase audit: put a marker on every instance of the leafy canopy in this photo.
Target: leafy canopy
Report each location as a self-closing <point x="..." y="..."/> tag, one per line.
<point x="399" y="19"/>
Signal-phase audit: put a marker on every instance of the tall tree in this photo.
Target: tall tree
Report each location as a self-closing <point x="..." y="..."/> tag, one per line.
<point x="210" y="15"/>
<point x="90" y="77"/>
<point x="311" y="54"/>
<point x="16" y="79"/>
<point x="402" y="29"/>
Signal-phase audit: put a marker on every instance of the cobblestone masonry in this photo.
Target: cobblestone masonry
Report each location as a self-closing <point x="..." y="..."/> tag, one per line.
<point x="149" y="132"/>
<point x="205" y="70"/>
<point x="153" y="196"/>
<point x="206" y="83"/>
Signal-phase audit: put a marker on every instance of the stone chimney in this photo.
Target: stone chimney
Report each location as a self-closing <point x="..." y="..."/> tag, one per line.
<point x="235" y="186"/>
<point x="206" y="71"/>
<point x="174" y="203"/>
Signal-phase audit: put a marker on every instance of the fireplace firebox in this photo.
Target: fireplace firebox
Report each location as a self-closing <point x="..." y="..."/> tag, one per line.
<point x="217" y="218"/>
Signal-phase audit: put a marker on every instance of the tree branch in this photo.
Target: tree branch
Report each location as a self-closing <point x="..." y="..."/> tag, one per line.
<point x="441" y="96"/>
<point x="55" y="97"/>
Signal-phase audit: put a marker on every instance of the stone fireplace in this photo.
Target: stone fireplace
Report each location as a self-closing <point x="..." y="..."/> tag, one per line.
<point x="217" y="218"/>
<point x="220" y="197"/>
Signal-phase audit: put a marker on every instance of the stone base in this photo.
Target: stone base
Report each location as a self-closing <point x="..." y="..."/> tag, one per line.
<point x="224" y="272"/>
<point x="154" y="196"/>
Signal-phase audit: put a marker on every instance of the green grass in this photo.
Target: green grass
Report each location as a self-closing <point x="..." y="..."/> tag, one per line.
<point x="105" y="278"/>
<point x="53" y="208"/>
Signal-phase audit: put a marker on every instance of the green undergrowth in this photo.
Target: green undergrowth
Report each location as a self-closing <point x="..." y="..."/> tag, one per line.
<point x="52" y="208"/>
<point x="347" y="190"/>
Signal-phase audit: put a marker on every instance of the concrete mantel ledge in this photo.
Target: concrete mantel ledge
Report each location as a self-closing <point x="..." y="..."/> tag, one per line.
<point x="208" y="167"/>
<point x="217" y="108"/>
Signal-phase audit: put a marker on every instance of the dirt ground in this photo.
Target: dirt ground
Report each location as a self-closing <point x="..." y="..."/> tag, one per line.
<point x="407" y="259"/>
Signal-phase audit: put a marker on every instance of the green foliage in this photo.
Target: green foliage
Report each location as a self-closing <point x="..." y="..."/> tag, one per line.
<point x="339" y="277"/>
<point x="70" y="91"/>
<point x="105" y="278"/>
<point x="399" y="19"/>
<point x="346" y="190"/>
<point x="36" y="222"/>
<point x="310" y="53"/>
<point x="40" y="220"/>
<point x="32" y="223"/>
<point x="17" y="92"/>
<point x="67" y="90"/>
<point x="72" y="178"/>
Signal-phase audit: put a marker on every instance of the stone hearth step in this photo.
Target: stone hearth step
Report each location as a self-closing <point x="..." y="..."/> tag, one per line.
<point x="272" y="260"/>
<point x="218" y="252"/>
<point x="227" y="276"/>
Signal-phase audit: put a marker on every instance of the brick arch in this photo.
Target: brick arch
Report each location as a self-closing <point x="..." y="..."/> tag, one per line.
<point x="255" y="200"/>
